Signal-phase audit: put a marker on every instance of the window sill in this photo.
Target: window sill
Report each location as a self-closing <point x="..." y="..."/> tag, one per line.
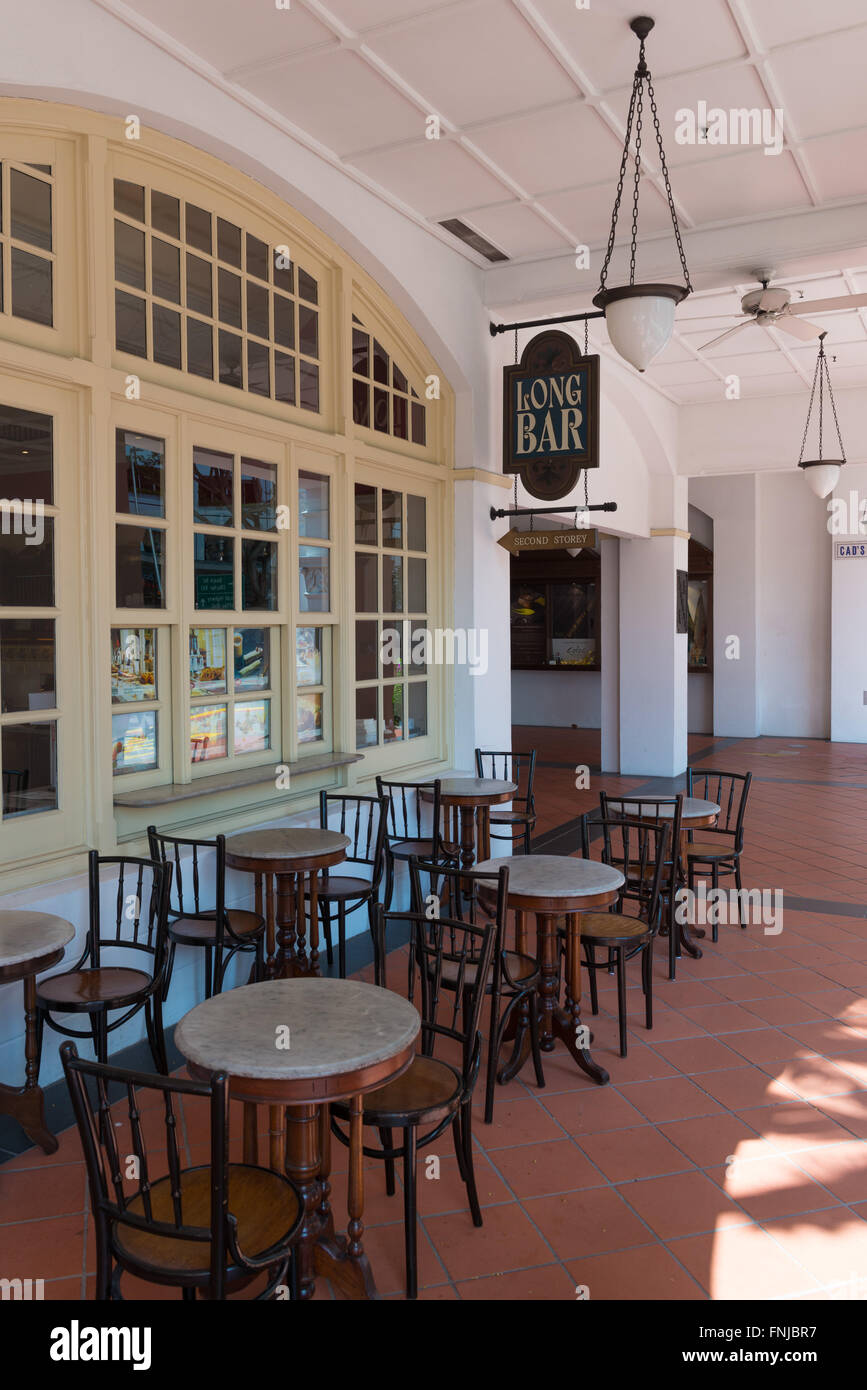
<point x="230" y="781"/>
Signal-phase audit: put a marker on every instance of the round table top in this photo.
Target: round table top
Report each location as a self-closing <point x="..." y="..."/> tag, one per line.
<point x="334" y="1026"/>
<point x="293" y="842"/>
<point x="693" y="807"/>
<point x="28" y="935"/>
<point x="479" y="788"/>
<point x="554" y="876"/>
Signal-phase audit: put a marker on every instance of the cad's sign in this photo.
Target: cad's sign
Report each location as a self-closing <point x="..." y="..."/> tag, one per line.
<point x="551" y="415"/>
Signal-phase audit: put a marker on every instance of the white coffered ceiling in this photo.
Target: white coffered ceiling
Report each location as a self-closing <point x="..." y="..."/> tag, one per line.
<point x="532" y="97"/>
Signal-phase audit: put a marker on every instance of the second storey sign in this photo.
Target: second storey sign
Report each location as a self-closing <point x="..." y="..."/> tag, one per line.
<point x="551" y="415"/>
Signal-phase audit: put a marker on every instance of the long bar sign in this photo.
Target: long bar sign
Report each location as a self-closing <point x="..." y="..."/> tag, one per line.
<point x="551" y="415"/>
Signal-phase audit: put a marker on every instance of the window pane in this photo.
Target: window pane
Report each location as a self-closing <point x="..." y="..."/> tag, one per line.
<point x="366" y="717"/>
<point x="139" y="568"/>
<point x="26" y="454"/>
<point x="134" y="742"/>
<point x="366" y="596"/>
<point x="309" y="715"/>
<point x="416" y="585"/>
<point x="130" y="324"/>
<point x="308" y="331"/>
<point x="416" y="523"/>
<point x="231" y="365"/>
<point x="166" y="214"/>
<point x="392" y="519"/>
<point x="313" y="587"/>
<point x="309" y="386"/>
<point x="31" y="209"/>
<point x="252" y="658"/>
<point x="380" y="410"/>
<point x="207" y="733"/>
<point x="284" y="378"/>
<point x="258" y="575"/>
<point x="200" y="348"/>
<point x="308" y="655"/>
<point x="392" y="584"/>
<point x="167" y="336"/>
<point x="213" y="484"/>
<point x="419" y="428"/>
<point x="214" y="571"/>
<point x="258" y="369"/>
<point x="258" y="495"/>
<point x="257" y="310"/>
<point x="252" y="733"/>
<point x="27" y="560"/>
<point x="129" y="255"/>
<point x="392" y="713"/>
<point x="31" y="286"/>
<point x="133" y="665"/>
<point x="199" y="295"/>
<point x="29" y="757"/>
<point x="27" y="677"/>
<point x="361" y="403"/>
<point x="208" y="661"/>
<point x="307" y="287"/>
<point x="284" y="272"/>
<point x="228" y="242"/>
<point x="399" y="408"/>
<point x="198" y="228"/>
<point x="284" y="321"/>
<point x="257" y="257"/>
<point x="139" y="474"/>
<point x="366" y="650"/>
<point x="391" y="649"/>
<point x="398" y="380"/>
<point x="312" y="505"/>
<point x="230" y="297"/>
<point x="380" y="363"/>
<point x="166" y="270"/>
<point x="419" y="643"/>
<point x="360" y="352"/>
<point x="129" y="199"/>
<point x="365" y="514"/>
<point x="417" y="711"/>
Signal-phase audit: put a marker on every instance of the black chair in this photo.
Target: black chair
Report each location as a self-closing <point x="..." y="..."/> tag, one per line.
<point x="363" y="819"/>
<point x="219" y="931"/>
<point x="718" y="848"/>
<point x="210" y="1229"/>
<point x="405" y="834"/>
<point x="650" y="807"/>
<point x="433" y="1092"/>
<point x="513" y="980"/>
<point x="16" y="782"/>
<point x="638" y="848"/>
<point x="92" y="988"/>
<point x="519" y="768"/>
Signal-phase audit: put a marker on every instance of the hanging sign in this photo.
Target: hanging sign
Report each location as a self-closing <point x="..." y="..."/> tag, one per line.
<point x="517" y="542"/>
<point x="551" y="415"/>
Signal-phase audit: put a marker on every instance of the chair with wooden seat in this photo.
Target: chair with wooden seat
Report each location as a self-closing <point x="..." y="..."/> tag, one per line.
<point x="198" y="916"/>
<point x="363" y="819"/>
<point x="434" y="1094"/>
<point x="405" y="832"/>
<point x="514" y="977"/>
<point x="519" y="768"/>
<point x="716" y="849"/>
<point x="207" y="1230"/>
<point x="668" y="810"/>
<point x="134" y="929"/>
<point x="639" y="849"/>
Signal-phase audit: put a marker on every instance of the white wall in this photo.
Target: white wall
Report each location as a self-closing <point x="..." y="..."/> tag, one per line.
<point x="699" y="709"/>
<point x="559" y="699"/>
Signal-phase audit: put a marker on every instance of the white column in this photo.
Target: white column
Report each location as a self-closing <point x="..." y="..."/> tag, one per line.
<point x="848" y="606"/>
<point x="483" y="701"/>
<point x="609" y="637"/>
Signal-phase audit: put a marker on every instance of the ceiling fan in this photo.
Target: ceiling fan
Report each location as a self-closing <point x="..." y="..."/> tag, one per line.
<point x="772" y="308"/>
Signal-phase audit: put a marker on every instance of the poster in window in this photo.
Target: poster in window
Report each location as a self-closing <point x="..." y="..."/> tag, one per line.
<point x="133" y="664"/>
<point x="134" y="742"/>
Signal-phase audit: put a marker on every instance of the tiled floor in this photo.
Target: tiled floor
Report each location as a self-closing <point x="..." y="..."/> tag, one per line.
<point x="726" y="1158"/>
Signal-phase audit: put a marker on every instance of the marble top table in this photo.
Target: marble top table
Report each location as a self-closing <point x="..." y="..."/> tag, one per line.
<point x="295" y="1045"/>
<point x="293" y="856"/>
<point x="29" y="943"/>
<point x="694" y="809"/>
<point x="552" y="887"/>
<point x="469" y="798"/>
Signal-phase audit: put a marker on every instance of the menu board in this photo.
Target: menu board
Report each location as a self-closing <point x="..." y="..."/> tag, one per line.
<point x="133" y="664"/>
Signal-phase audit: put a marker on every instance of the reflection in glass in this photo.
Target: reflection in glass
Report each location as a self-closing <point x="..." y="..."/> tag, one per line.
<point x="229" y="290"/>
<point x="28" y="754"/>
<point x="27" y="664"/>
<point x="139" y="568"/>
<point x="257" y="310"/>
<point x="380" y="363"/>
<point x="133" y="664"/>
<point x="419" y="648"/>
<point x="252" y="658"/>
<point x="380" y="410"/>
<point x="416" y="585"/>
<point x="228" y="242"/>
<point x="284" y="378"/>
<point x="309" y="716"/>
<point x="284" y="321"/>
<point x="366" y="596"/>
<point x="199" y="228"/>
<point x="419" y="425"/>
<point x="258" y="495"/>
<point x="312" y="505"/>
<point x="258" y="369"/>
<point x="214" y="567"/>
<point x="207" y="733"/>
<point x="32" y="278"/>
<point x="26" y="454"/>
<point x="258" y="575"/>
<point x="165" y="270"/>
<point x="392" y="584"/>
<point x="360" y="352"/>
<point x="391" y="649"/>
<point x="252" y="721"/>
<point x="366" y="650"/>
<point x="130" y="324"/>
<point x="200" y="348"/>
<point x="231" y="369"/>
<point x="392" y="713"/>
<point x="199" y="294"/>
<point x="365" y="514"/>
<point x="129" y="199"/>
<point x="366" y="716"/>
<point x="134" y="742"/>
<point x="208" y="661"/>
<point x="166" y="214"/>
<point x="129" y="255"/>
<point x="313" y="586"/>
<point x="257" y="257"/>
<point x="308" y="331"/>
<point x="392" y="514"/>
<point x="399" y="410"/>
<point x="140" y="461"/>
<point x="361" y="403"/>
<point x="167" y="336"/>
<point x="26" y="563"/>
<point x="213" y="487"/>
<point x="308" y="655"/>
<point x="417" y="711"/>
<point x="31" y="209"/>
<point x="416" y="523"/>
<point x="309" y="395"/>
<point x="307" y="287"/>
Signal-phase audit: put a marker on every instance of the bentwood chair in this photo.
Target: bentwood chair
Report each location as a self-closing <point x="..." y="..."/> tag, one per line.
<point x="718" y="848"/>
<point x="434" y="1094"/>
<point x="208" y="1229"/>
<point x="201" y="919"/>
<point x="513" y="980"/>
<point x="519" y="768"/>
<point x="646" y="807"/>
<point x="363" y="819"/>
<point x="135" y="929"/>
<point x="406" y="834"/>
<point x="638" y="849"/>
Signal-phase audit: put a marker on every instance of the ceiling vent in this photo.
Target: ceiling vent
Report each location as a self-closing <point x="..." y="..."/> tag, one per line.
<point x="475" y="240"/>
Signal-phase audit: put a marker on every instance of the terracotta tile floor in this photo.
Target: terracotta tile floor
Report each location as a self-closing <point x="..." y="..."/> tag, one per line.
<point x="726" y="1159"/>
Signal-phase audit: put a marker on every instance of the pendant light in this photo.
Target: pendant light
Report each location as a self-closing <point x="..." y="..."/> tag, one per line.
<point x="822" y="474"/>
<point x="640" y="318"/>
